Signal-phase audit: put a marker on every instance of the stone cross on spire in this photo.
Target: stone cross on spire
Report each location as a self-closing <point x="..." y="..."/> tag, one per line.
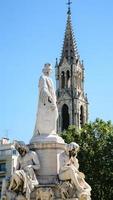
<point x="69" y="9"/>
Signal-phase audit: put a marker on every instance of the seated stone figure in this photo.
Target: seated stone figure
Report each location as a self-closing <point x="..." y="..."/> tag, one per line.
<point x="24" y="179"/>
<point x="69" y="170"/>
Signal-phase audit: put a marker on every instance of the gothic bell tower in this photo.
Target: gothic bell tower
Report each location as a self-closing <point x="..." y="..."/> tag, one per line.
<point x="71" y="99"/>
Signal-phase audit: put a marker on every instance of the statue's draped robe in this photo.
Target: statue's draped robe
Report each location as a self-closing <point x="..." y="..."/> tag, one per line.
<point x="47" y="109"/>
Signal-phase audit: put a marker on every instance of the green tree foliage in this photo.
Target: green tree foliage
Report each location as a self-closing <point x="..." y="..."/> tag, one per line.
<point x="95" y="156"/>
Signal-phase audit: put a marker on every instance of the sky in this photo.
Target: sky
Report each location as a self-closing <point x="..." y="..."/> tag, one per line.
<point x="31" y="34"/>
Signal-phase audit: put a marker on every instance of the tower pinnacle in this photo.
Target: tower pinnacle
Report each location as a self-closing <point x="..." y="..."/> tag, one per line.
<point x="69" y="9"/>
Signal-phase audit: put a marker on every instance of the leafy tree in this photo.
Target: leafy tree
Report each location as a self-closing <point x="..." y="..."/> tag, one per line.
<point x="95" y="156"/>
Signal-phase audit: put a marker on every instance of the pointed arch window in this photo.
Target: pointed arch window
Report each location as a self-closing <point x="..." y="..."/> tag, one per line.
<point x="81" y="116"/>
<point x="71" y="59"/>
<point x="59" y="120"/>
<point x="66" y="53"/>
<point x="68" y="79"/>
<point x="65" y="117"/>
<point x="63" y="80"/>
<point x="72" y="54"/>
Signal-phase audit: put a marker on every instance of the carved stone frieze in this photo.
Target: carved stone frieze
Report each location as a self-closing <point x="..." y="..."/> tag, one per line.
<point x="67" y="190"/>
<point x="44" y="194"/>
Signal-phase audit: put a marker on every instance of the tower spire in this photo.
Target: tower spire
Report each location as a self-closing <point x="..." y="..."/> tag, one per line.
<point x="71" y="99"/>
<point x="69" y="50"/>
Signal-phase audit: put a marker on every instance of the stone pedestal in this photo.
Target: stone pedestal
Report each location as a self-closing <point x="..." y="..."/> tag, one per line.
<point x="48" y="148"/>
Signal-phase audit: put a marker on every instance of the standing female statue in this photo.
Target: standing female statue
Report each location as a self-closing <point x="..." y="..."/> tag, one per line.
<point x="47" y="113"/>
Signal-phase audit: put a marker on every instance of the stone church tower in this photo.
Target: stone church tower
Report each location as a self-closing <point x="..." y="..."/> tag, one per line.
<point x="71" y="99"/>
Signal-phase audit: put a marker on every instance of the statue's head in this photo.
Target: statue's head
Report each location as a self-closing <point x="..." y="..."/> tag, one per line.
<point x="21" y="147"/>
<point x="72" y="148"/>
<point x="47" y="69"/>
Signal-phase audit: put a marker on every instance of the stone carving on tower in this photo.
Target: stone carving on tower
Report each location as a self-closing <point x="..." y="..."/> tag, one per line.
<point x="72" y="102"/>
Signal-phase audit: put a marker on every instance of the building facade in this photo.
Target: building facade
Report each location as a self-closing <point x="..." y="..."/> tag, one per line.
<point x="71" y="99"/>
<point x="8" y="158"/>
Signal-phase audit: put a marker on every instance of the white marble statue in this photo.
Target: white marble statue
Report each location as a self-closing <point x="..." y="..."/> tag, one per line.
<point x="69" y="170"/>
<point x="24" y="178"/>
<point x="47" y="113"/>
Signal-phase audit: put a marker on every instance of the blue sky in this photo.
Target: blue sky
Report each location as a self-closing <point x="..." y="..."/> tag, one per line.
<point x="31" y="33"/>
